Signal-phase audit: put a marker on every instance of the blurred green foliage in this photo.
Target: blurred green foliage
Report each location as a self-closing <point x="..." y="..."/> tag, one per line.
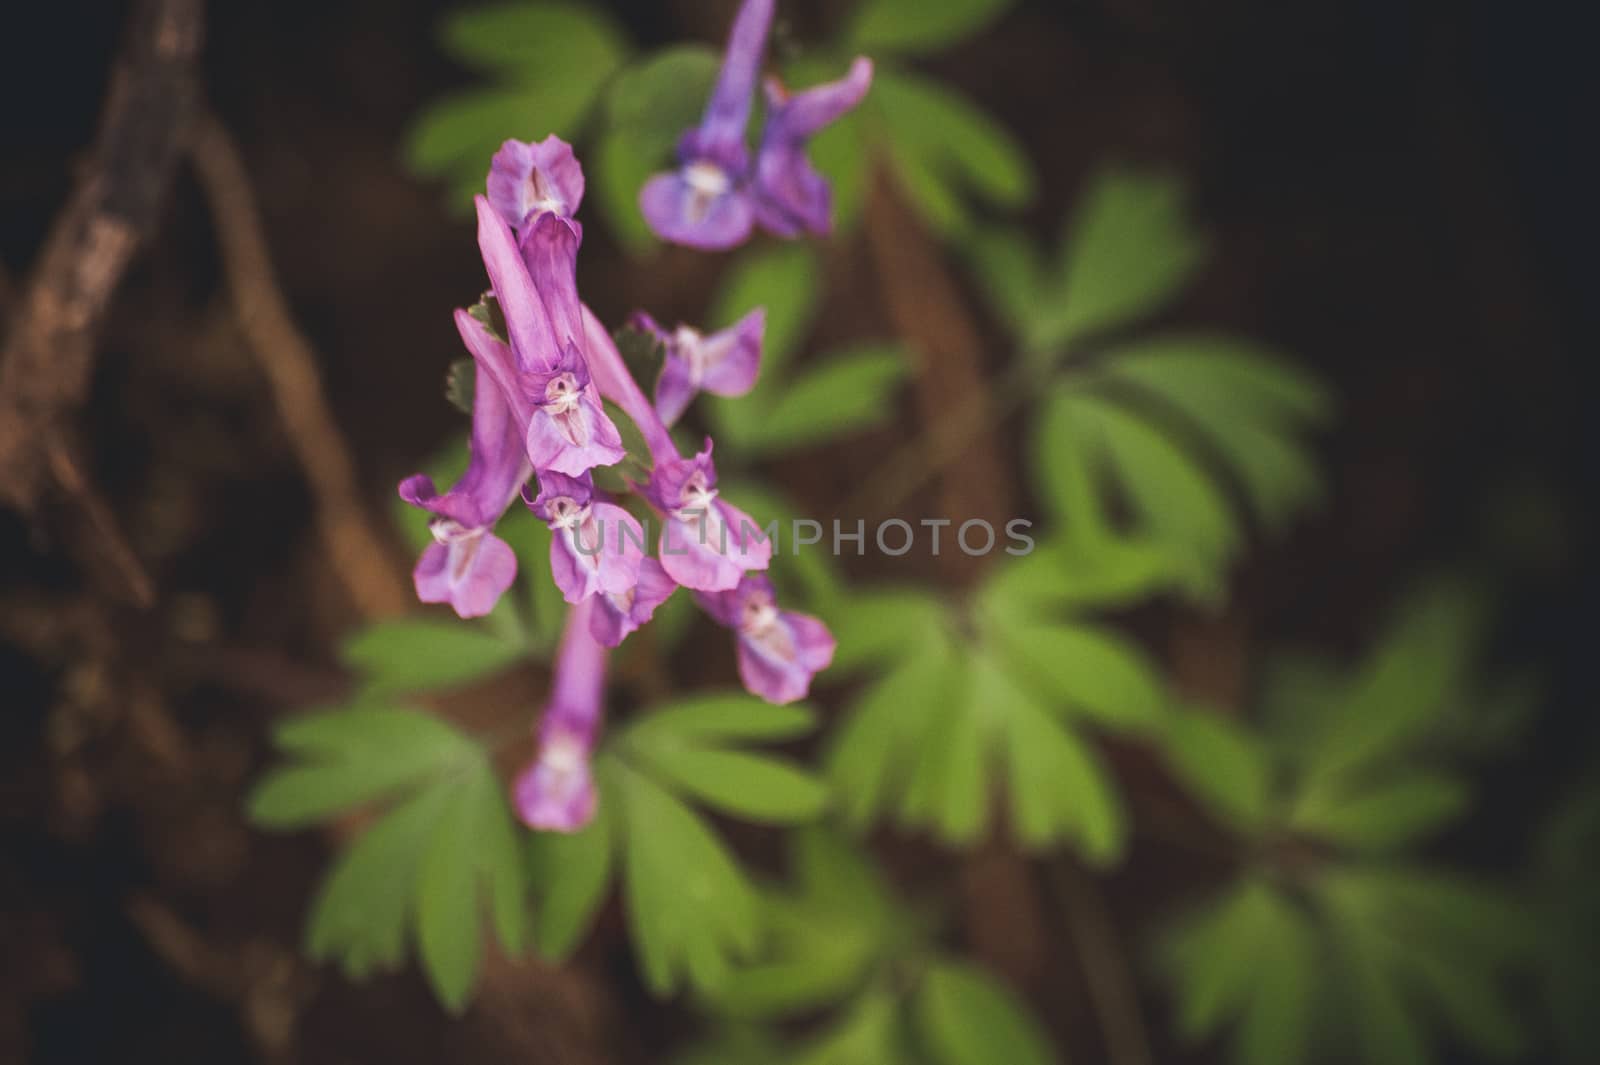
<point x="1337" y="943"/>
<point x="1340" y="935"/>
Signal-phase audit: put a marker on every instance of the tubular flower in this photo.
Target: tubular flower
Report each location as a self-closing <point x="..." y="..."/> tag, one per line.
<point x="618" y="613"/>
<point x="556" y="792"/>
<point x="526" y="179"/>
<point x="468" y="566"/>
<point x="584" y="559"/>
<point x="790" y="196"/>
<point x="725" y="363"/>
<point x="704" y="203"/>
<point x="706" y="543"/>
<point x="567" y="429"/>
<point x="779" y="651"/>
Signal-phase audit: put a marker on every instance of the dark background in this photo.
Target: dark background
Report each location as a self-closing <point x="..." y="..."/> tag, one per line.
<point x="1398" y="200"/>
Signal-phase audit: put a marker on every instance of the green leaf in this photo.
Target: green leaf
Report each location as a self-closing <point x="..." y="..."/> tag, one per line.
<point x="549" y="62"/>
<point x="1385" y="1031"/>
<point x="1057" y="787"/>
<point x="872" y="755"/>
<point x="1008" y="268"/>
<point x="649" y="104"/>
<point x="664" y="94"/>
<point x="1087" y="669"/>
<point x="1220" y="378"/>
<point x="883" y="625"/>
<point x="1211" y="956"/>
<point x="1174" y="500"/>
<point x="967" y="1017"/>
<point x="943" y="146"/>
<point x="354" y="757"/>
<point x="1465" y="998"/>
<point x="916" y="26"/>
<point x="1250" y="956"/>
<point x="1382" y="816"/>
<point x="500" y="859"/>
<point x="1128" y="251"/>
<point x="688" y="903"/>
<point x="1067" y="574"/>
<point x="842" y="156"/>
<point x="1065" y="466"/>
<point x="949" y="790"/>
<point x="449" y="930"/>
<point x="546" y="43"/>
<point x="755" y="787"/>
<point x="675" y="745"/>
<point x="459" y="384"/>
<point x="467" y="125"/>
<point x="372" y="733"/>
<point x="416" y="654"/>
<point x="571" y="873"/>
<point x="851" y="390"/>
<point x="870" y="1033"/>
<point x="362" y="911"/>
<point x="1444" y="908"/>
<point x="718" y="718"/>
<point x="823" y="931"/>
<point x="622" y="162"/>
<point x="1275" y="1027"/>
<point x="1248" y="404"/>
<point x="1419" y="664"/>
<point x="1225" y="766"/>
<point x="784" y="279"/>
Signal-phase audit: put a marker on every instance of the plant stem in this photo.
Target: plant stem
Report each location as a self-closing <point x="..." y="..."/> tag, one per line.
<point x="1110" y="981"/>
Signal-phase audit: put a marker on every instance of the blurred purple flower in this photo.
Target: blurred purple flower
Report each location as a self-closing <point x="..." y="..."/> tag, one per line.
<point x="725" y="363"/>
<point x="706" y="543"/>
<point x="704" y="204"/>
<point x="790" y="196"/>
<point x="618" y="613"/>
<point x="526" y="179"/>
<point x="597" y="545"/>
<point x="779" y="651"/>
<point x="556" y="792"/>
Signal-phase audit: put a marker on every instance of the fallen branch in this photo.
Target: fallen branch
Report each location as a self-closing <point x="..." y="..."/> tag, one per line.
<point x="48" y="355"/>
<point x="360" y="556"/>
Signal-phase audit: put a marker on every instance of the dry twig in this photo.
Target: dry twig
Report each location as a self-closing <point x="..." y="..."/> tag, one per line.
<point x="360" y="555"/>
<point x="1109" y="979"/>
<point x="50" y="343"/>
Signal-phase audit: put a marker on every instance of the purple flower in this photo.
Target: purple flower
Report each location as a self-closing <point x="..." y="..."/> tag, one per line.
<point x="568" y="431"/>
<point x="725" y="363"/>
<point x="597" y="545"/>
<point x="704" y="203"/>
<point x="526" y="179"/>
<point x="522" y="300"/>
<point x="566" y="426"/>
<point x="468" y="566"/>
<point x="706" y="543"/>
<point x="790" y="196"/>
<point x="556" y="792"/>
<point x="779" y="651"/>
<point x="617" y="614"/>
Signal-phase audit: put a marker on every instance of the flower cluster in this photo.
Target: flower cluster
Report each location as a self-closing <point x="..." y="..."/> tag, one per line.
<point x="716" y="195"/>
<point x="545" y="367"/>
